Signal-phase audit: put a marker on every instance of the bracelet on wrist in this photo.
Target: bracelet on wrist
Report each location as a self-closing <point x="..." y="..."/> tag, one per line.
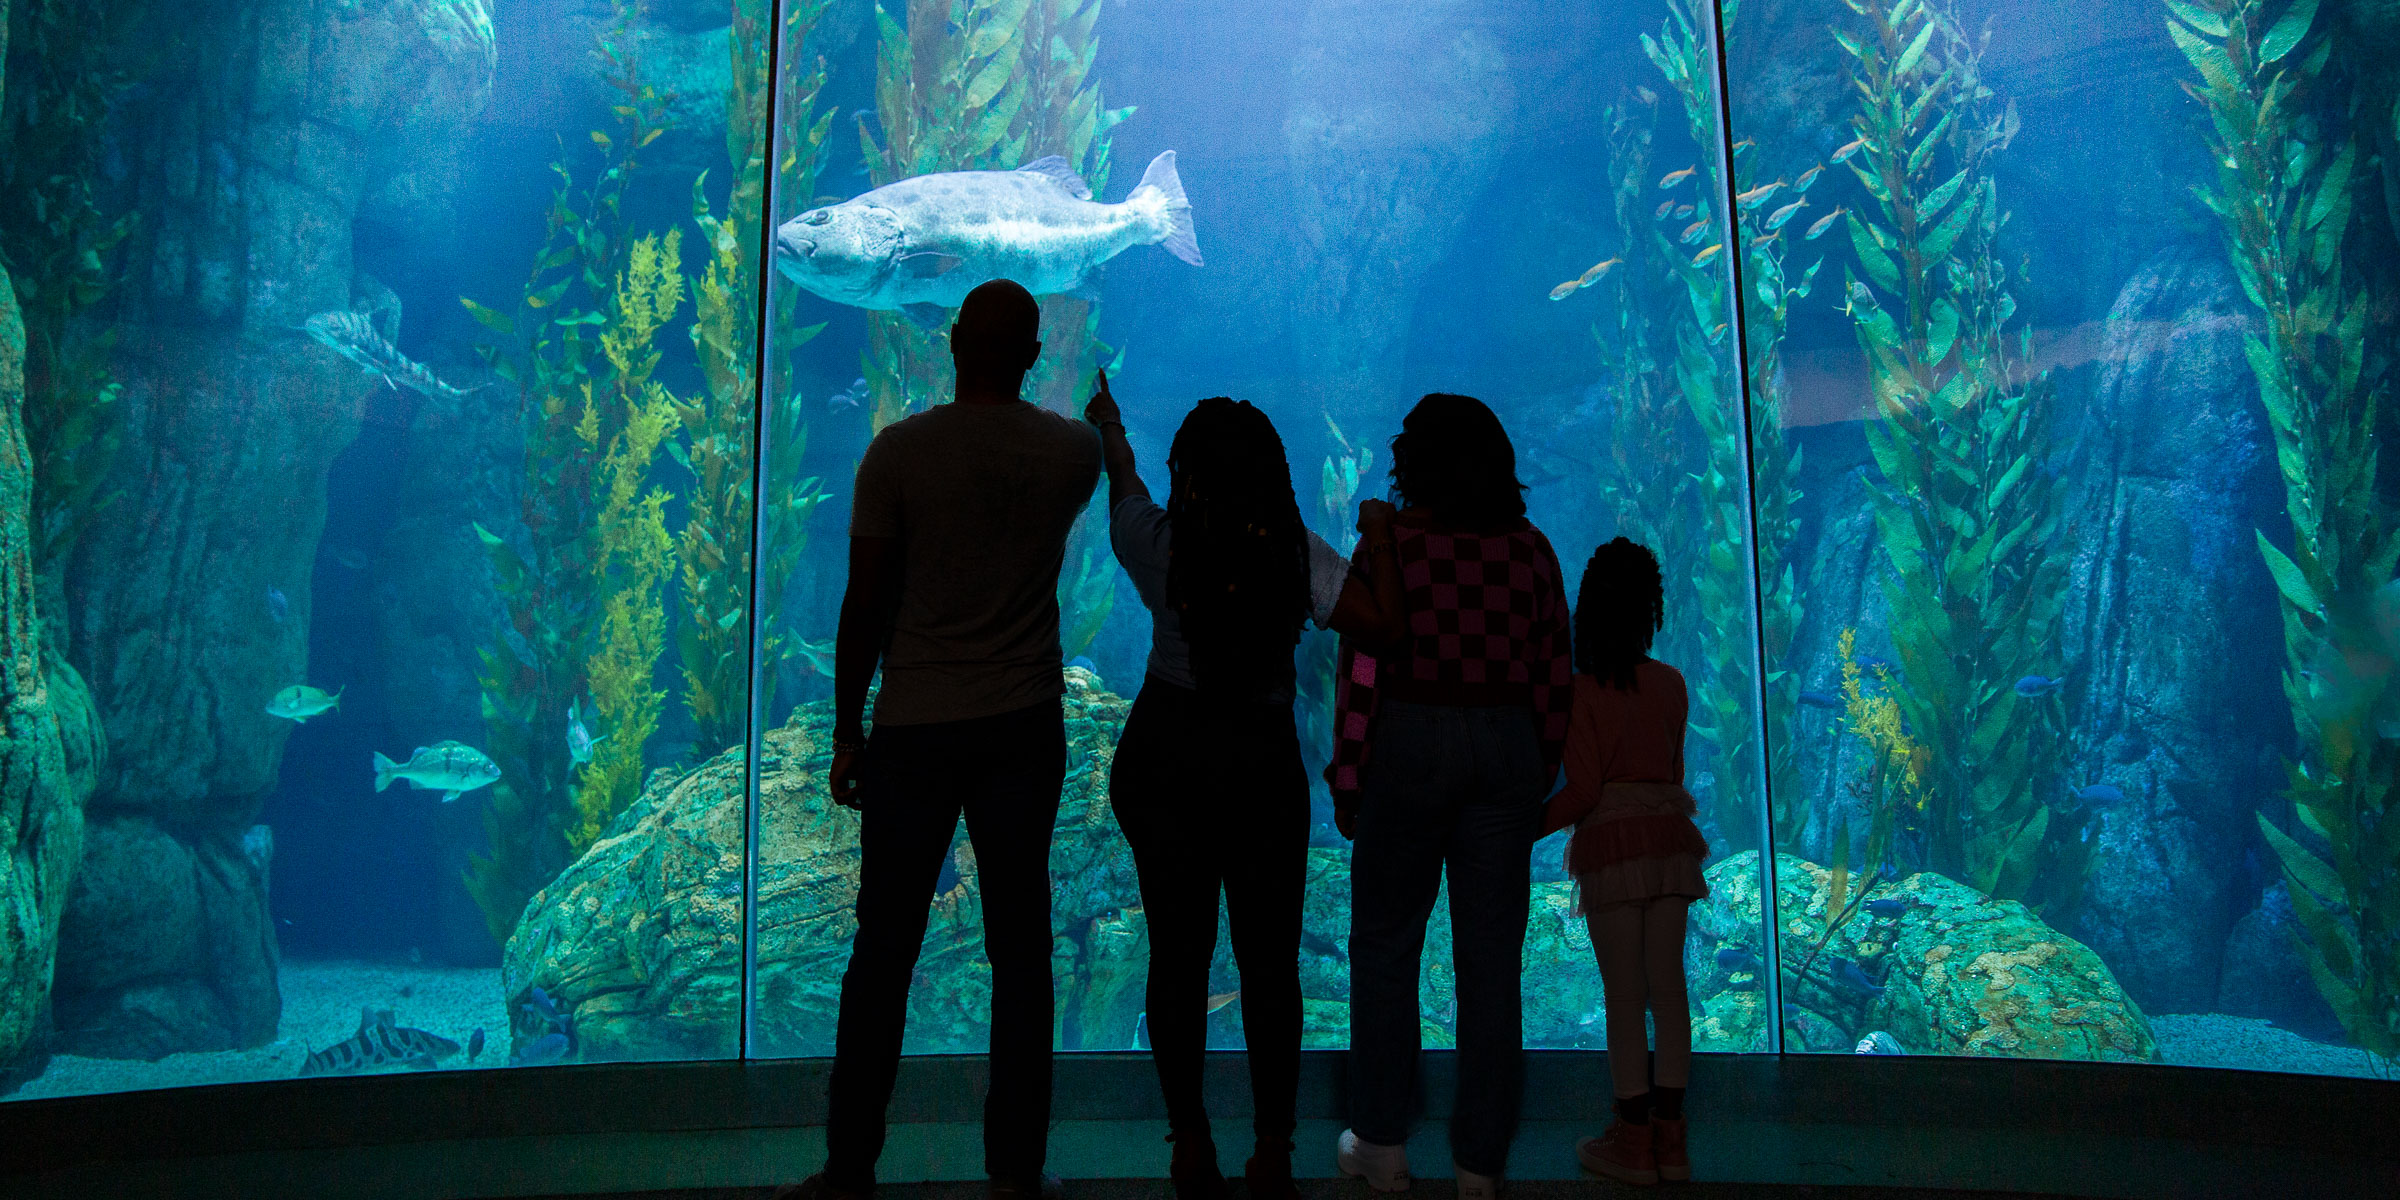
<point x="848" y="745"/>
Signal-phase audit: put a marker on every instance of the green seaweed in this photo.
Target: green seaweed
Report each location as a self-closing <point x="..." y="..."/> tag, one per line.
<point x="551" y="347"/>
<point x="2284" y="189"/>
<point x="1967" y="512"/>
<point x="58" y="239"/>
<point x="1343" y="474"/>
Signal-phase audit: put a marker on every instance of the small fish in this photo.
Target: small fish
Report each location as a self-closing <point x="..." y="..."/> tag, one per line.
<point x="1816" y="699"/>
<point x="1879" y="1042"/>
<point x="2100" y="793"/>
<point x="1891" y="906"/>
<point x="1597" y="272"/>
<point x="1222" y="999"/>
<point x="1084" y="663"/>
<point x="299" y="702"/>
<point x="1676" y="178"/>
<point x="1693" y="232"/>
<point x="277" y="607"/>
<point x="1807" y="177"/>
<point x="1565" y="290"/>
<point x="1707" y="254"/>
<point x="475" y="1044"/>
<point x="1734" y="958"/>
<point x="1758" y="195"/>
<point x="1777" y="219"/>
<point x="353" y="336"/>
<point x="2039" y="685"/>
<point x="548" y="1048"/>
<point x="579" y="736"/>
<point x="1825" y="222"/>
<point x="1716" y="332"/>
<point x="447" y="767"/>
<point x="1846" y="972"/>
<point x="1684" y="210"/>
<point x="518" y="646"/>
<point x="1744" y="144"/>
<point x="379" y="1044"/>
<point x="1843" y="154"/>
<point x="1757" y="242"/>
<point x="1665" y="207"/>
<point x="853" y="397"/>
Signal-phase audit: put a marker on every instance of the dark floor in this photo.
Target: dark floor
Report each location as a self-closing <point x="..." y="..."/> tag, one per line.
<point x="1426" y="1189"/>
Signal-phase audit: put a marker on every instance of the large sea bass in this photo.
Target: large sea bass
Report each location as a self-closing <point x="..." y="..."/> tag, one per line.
<point x="920" y="245"/>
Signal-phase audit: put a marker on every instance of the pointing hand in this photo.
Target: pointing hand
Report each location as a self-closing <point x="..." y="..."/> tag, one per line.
<point x="1102" y="411"/>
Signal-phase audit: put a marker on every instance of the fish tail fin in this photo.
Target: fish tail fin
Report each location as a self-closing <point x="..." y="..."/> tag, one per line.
<point x="384" y="767"/>
<point x="1174" y="207"/>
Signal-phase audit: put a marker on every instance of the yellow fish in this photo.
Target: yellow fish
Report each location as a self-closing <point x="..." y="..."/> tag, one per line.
<point x="1598" y="272"/>
<point x="1707" y="254"/>
<point x="1758" y="195"/>
<point x="1744" y="144"/>
<point x="1693" y="232"/>
<point x="1825" y="222"/>
<point x="1672" y="178"/>
<point x="1807" y="177"/>
<point x="1222" y="999"/>
<point x="1843" y="154"/>
<point x="1776" y="219"/>
<point x="1684" y="210"/>
<point x="1755" y="243"/>
<point x="1664" y="207"/>
<point x="1565" y="290"/>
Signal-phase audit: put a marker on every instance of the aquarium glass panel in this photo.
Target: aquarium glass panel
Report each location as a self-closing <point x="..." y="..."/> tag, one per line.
<point x="2071" y="520"/>
<point x="386" y="513"/>
<point x="1444" y="197"/>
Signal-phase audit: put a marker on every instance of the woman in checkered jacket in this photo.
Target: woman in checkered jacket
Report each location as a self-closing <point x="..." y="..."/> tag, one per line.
<point x="1450" y="717"/>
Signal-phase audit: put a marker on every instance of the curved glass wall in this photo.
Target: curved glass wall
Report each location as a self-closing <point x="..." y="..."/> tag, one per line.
<point x="401" y="451"/>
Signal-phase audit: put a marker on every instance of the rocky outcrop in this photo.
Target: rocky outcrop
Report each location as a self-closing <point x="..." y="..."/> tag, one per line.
<point x="639" y="943"/>
<point x="1952" y="973"/>
<point x="2170" y="634"/>
<point x="49" y="745"/>
<point x="262" y="134"/>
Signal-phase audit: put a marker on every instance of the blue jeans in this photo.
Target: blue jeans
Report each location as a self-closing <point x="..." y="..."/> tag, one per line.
<point x="1459" y="789"/>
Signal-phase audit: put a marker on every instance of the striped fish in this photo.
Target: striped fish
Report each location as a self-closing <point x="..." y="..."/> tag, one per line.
<point x="353" y="337"/>
<point x="380" y="1045"/>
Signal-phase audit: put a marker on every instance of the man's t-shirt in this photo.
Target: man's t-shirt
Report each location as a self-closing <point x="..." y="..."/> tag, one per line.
<point x="981" y="498"/>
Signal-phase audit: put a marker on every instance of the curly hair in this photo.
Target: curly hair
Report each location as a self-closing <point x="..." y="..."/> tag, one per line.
<point x="1237" y="566"/>
<point x="1453" y="457"/>
<point x="1619" y="609"/>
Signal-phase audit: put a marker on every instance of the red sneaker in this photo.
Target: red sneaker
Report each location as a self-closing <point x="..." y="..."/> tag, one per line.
<point x="1622" y="1152"/>
<point x="1666" y="1144"/>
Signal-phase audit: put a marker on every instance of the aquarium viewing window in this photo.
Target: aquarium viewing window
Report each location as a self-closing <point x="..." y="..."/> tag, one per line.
<point x="439" y="421"/>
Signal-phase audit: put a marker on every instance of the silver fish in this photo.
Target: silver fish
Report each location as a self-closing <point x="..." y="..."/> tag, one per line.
<point x="579" y="736"/>
<point x="446" y="767"/>
<point x="299" y="702"/>
<point x="380" y="1044"/>
<point x="353" y="337"/>
<point x="920" y="245"/>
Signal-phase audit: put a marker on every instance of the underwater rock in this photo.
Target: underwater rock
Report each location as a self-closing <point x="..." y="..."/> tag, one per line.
<point x="639" y="942"/>
<point x="1959" y="973"/>
<point x="2264" y="974"/>
<point x="2172" y="632"/>
<point x="1842" y="564"/>
<point x="166" y="945"/>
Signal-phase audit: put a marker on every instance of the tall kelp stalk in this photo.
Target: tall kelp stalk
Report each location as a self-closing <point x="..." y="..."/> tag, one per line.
<point x="2289" y="161"/>
<point x="970" y="85"/>
<point x="1967" y="511"/>
<point x="1339" y="479"/>
<point x="57" y="239"/>
<point x="713" y="547"/>
<point x="1725" y="713"/>
<point x="552" y="349"/>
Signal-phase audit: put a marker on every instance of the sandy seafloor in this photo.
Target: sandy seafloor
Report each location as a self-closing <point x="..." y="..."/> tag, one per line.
<point x="321" y="1001"/>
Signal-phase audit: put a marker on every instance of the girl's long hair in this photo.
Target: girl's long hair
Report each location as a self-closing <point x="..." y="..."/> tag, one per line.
<point x="1452" y="457"/>
<point x="1619" y="608"/>
<point x="1237" y="573"/>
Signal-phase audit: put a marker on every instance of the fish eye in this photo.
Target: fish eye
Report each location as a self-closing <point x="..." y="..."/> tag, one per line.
<point x="818" y="217"/>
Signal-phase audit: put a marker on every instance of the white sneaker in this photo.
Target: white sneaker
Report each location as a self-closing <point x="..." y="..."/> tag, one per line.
<point x="1385" y="1168"/>
<point x="1472" y="1186"/>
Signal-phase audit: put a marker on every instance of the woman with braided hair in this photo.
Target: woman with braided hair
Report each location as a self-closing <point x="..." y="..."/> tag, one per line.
<point x="1208" y="782"/>
<point x="1635" y="855"/>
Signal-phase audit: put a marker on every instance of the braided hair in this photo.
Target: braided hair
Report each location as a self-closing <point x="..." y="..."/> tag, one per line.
<point x="1619" y="608"/>
<point x="1237" y="570"/>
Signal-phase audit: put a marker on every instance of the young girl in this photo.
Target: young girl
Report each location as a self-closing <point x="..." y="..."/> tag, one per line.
<point x="1635" y="856"/>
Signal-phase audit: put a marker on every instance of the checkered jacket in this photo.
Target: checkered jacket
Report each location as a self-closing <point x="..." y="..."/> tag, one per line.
<point x="1482" y="609"/>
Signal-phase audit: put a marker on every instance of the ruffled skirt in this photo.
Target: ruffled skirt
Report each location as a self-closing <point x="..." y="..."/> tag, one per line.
<point x="1639" y="844"/>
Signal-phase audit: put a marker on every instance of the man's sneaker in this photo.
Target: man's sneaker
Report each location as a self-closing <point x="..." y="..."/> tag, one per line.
<point x="1622" y="1152"/>
<point x="1666" y="1144"/>
<point x="1194" y="1169"/>
<point x="1385" y="1168"/>
<point x="815" y="1187"/>
<point x="1472" y="1186"/>
<point x="1045" y="1188"/>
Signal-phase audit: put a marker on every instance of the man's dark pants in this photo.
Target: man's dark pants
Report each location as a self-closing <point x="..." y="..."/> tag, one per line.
<point x="1004" y="773"/>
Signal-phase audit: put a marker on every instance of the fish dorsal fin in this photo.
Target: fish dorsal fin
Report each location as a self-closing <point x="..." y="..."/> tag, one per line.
<point x="1061" y="173"/>
<point x="366" y="1017"/>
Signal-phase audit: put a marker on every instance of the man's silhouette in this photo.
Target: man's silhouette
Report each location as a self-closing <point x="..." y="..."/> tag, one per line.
<point x="956" y="536"/>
